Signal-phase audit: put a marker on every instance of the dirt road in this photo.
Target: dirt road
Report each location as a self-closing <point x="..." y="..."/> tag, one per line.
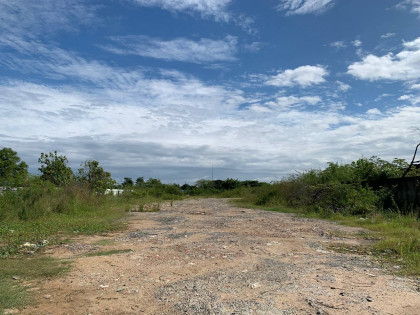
<point x="208" y="257"/>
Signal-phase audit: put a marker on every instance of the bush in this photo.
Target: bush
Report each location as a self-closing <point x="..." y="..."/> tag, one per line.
<point x="358" y="188"/>
<point x="41" y="199"/>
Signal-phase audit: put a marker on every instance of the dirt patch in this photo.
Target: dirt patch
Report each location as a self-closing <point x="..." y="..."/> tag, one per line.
<point x="208" y="257"/>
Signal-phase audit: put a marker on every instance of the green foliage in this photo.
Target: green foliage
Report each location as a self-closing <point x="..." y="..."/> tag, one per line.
<point x="153" y="182"/>
<point x="227" y="188"/>
<point x="109" y="252"/>
<point x="359" y="188"/>
<point x="128" y="182"/>
<point x="41" y="199"/>
<point x="140" y="182"/>
<point x="54" y="168"/>
<point x="12" y="293"/>
<point x="95" y="177"/>
<point x="13" y="171"/>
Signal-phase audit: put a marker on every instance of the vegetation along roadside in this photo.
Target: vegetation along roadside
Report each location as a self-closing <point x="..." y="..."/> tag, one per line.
<point x="363" y="193"/>
<point x="40" y="210"/>
<point x="53" y="207"/>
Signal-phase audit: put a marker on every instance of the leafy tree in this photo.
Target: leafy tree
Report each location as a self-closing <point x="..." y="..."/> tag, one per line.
<point x="54" y="168"/>
<point x="204" y="183"/>
<point x="153" y="182"/>
<point x="128" y="182"/>
<point x="13" y="171"/>
<point x="230" y="184"/>
<point x="95" y="177"/>
<point x="140" y="182"/>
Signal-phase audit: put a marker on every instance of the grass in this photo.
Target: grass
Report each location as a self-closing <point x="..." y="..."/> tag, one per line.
<point x="56" y="227"/>
<point x="12" y="295"/>
<point x="396" y="238"/>
<point x="45" y="215"/>
<point x="15" y="270"/>
<point x="108" y="252"/>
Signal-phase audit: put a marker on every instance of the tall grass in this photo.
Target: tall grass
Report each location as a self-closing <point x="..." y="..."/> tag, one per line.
<point x="42" y="212"/>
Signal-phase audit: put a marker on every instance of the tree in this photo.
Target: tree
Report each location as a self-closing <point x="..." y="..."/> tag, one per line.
<point x="153" y="182"/>
<point x="13" y="171"/>
<point x="128" y="182"/>
<point x="140" y="182"/>
<point x="54" y="168"/>
<point x="95" y="177"/>
<point x="230" y="184"/>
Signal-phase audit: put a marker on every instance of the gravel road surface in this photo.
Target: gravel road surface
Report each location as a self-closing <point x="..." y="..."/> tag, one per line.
<point x="208" y="257"/>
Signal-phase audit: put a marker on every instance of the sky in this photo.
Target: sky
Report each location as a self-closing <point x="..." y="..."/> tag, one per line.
<point x="169" y="88"/>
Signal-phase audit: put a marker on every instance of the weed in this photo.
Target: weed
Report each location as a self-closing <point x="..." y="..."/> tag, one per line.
<point x="109" y="252"/>
<point x="13" y="271"/>
<point x="12" y="295"/>
<point x="104" y="242"/>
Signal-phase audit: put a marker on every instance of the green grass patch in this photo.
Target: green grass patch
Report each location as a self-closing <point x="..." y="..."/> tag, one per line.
<point x="57" y="227"/>
<point x="31" y="268"/>
<point x="14" y="271"/>
<point x="108" y="252"/>
<point x="12" y="295"/>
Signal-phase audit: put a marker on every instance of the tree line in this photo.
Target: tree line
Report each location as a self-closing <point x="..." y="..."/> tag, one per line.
<point x="54" y="169"/>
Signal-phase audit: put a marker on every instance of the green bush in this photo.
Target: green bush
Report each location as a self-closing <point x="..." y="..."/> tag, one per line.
<point x="358" y="188"/>
<point x="42" y="198"/>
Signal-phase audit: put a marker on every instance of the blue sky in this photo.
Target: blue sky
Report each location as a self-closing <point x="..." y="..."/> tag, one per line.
<point x="168" y="88"/>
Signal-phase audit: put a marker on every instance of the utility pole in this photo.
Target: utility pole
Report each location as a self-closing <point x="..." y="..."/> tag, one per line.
<point x="212" y="172"/>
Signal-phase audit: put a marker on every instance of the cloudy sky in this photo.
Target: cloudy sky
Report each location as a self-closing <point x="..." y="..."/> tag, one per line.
<point x="168" y="88"/>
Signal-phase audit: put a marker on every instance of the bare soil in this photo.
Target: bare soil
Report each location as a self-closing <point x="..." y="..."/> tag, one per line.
<point x="209" y="257"/>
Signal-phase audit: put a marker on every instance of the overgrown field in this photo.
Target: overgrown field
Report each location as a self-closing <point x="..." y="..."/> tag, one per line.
<point x="353" y="194"/>
<point x="52" y="210"/>
<point x="42" y="214"/>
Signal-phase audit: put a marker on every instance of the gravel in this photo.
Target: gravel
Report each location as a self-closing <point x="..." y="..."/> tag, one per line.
<point x="202" y="294"/>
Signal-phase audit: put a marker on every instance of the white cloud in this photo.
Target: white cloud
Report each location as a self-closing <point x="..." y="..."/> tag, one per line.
<point x="174" y="123"/>
<point x="402" y="66"/>
<point x="415" y="86"/>
<point x="382" y="96"/>
<point x="303" y="76"/>
<point x="154" y="120"/>
<point x="157" y="88"/>
<point x="253" y="47"/>
<point x="207" y="8"/>
<point x="36" y="18"/>
<point x="338" y="44"/>
<point x="180" y="49"/>
<point x="388" y="35"/>
<point x="245" y="22"/>
<point x="285" y="102"/>
<point x="58" y="64"/>
<point x="217" y="9"/>
<point x="343" y="86"/>
<point x="413" y="99"/>
<point x="293" y="7"/>
<point x="411" y="5"/>
<point x="405" y="97"/>
<point x="374" y="112"/>
<point x="258" y="108"/>
<point x="357" y="43"/>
